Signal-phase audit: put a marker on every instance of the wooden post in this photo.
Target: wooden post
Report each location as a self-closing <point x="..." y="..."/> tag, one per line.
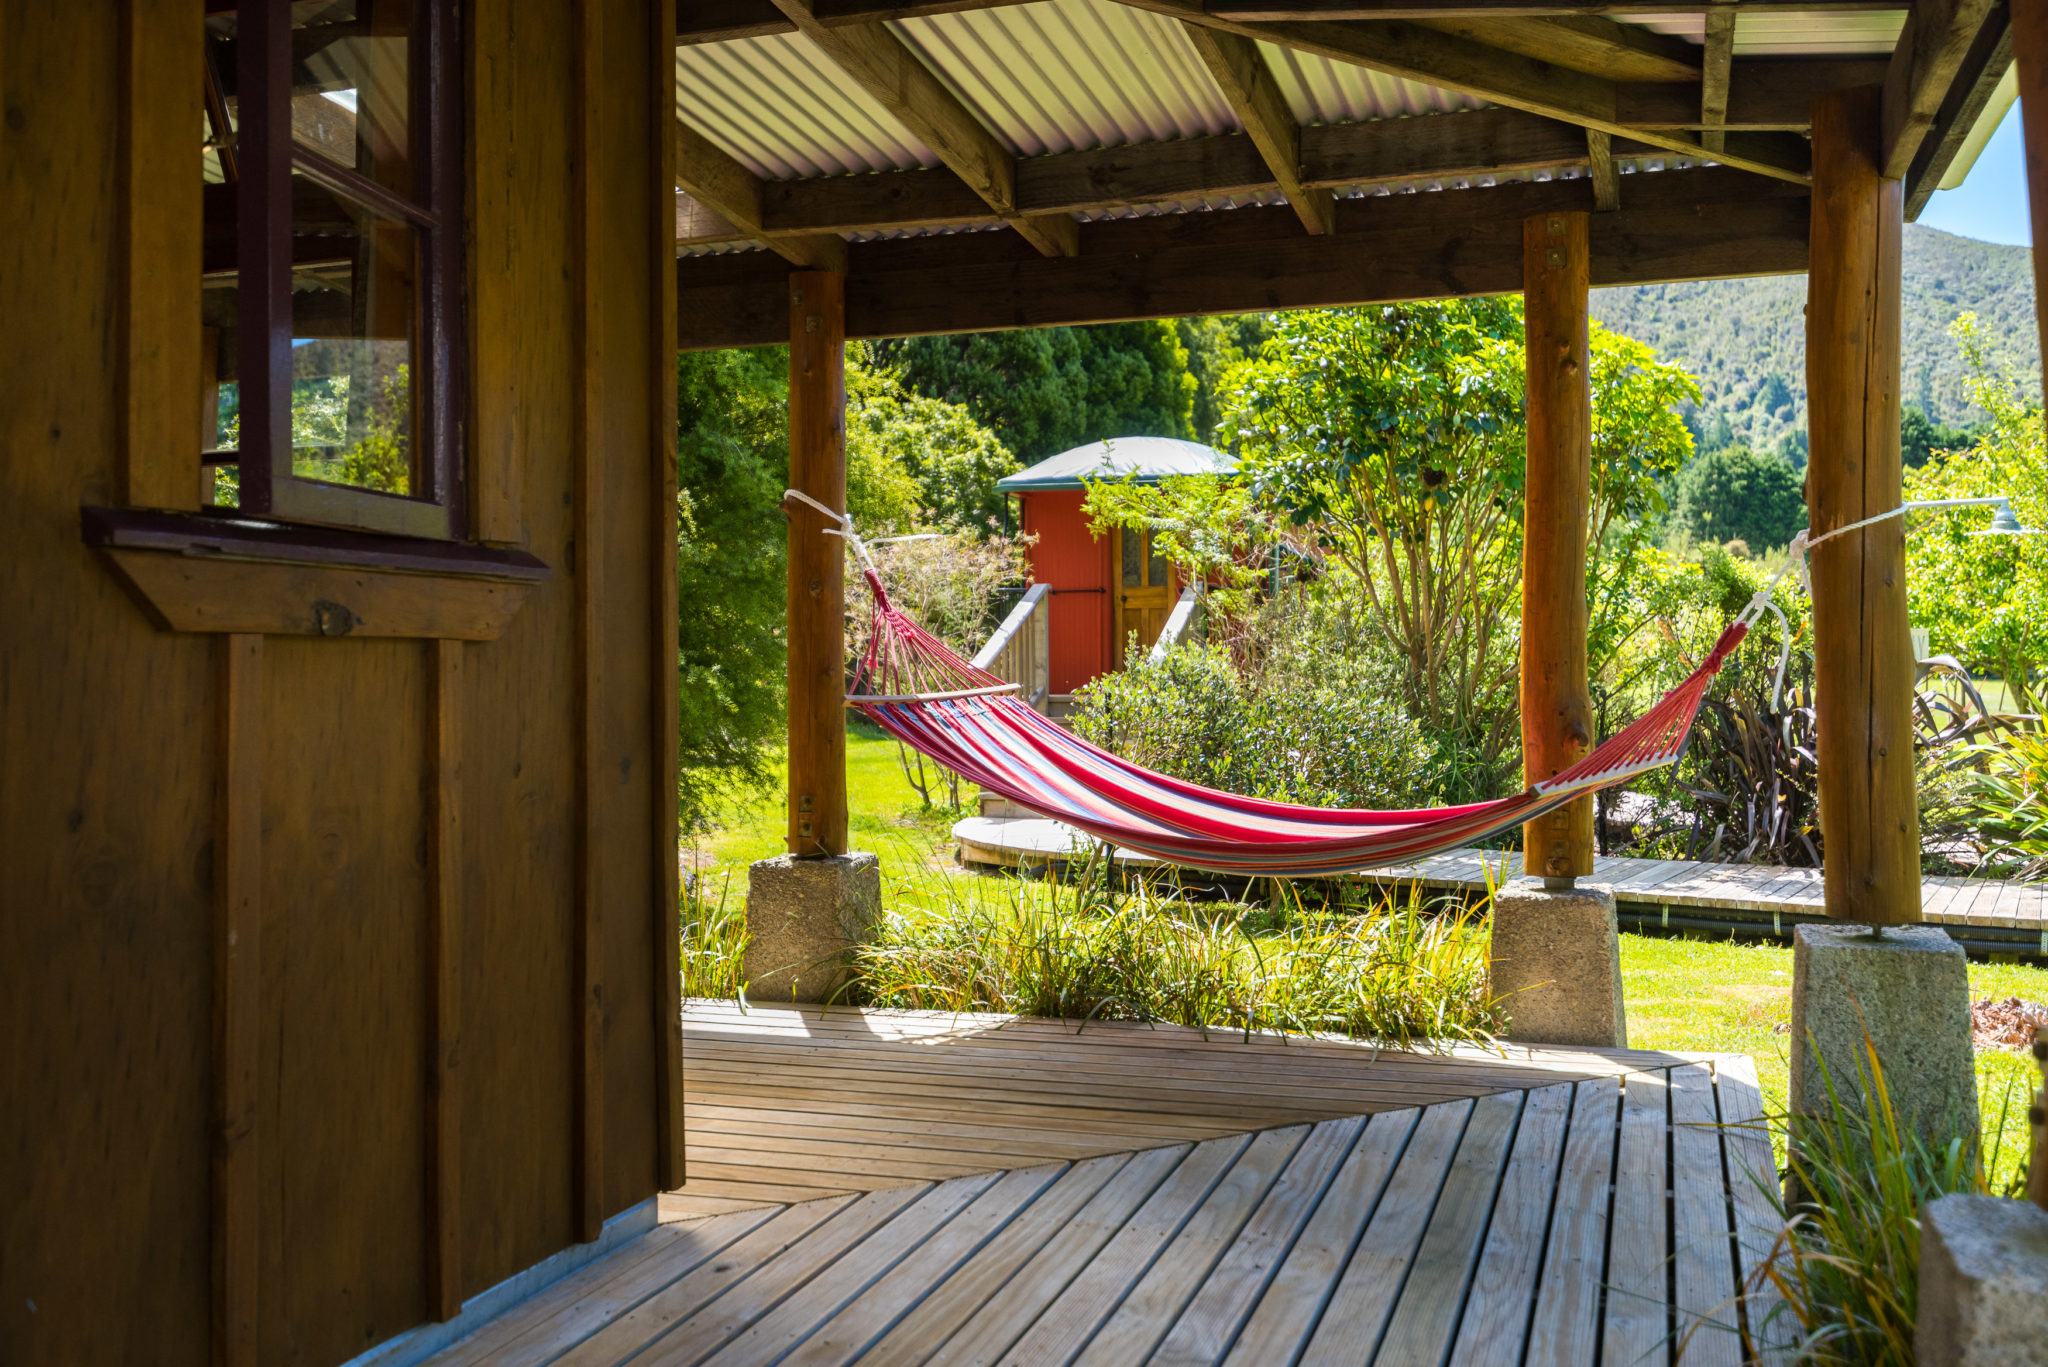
<point x="1870" y="817"/>
<point x="2030" y="55"/>
<point x="1557" y="706"/>
<point x="817" y="650"/>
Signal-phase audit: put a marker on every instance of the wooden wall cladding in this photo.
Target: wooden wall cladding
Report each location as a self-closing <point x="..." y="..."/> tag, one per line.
<point x="308" y="909"/>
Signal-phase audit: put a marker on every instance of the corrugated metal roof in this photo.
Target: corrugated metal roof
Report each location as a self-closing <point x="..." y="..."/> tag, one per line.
<point x="1851" y="33"/>
<point x="1319" y="90"/>
<point x="1144" y="459"/>
<point x="787" y="111"/>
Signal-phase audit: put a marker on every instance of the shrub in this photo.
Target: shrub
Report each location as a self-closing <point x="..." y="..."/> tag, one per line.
<point x="1734" y="494"/>
<point x="1288" y="710"/>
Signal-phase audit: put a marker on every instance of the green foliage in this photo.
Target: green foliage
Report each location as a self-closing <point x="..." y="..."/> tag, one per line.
<point x="1846" y="1263"/>
<point x="1214" y="529"/>
<point x="914" y="460"/>
<point x="1287" y="712"/>
<point x="732" y="460"/>
<point x="1734" y="494"/>
<point x="1920" y="437"/>
<point x="2005" y="798"/>
<point x="714" y="936"/>
<point x="1214" y="346"/>
<point x="1394" y="434"/>
<point x="1093" y="949"/>
<point x="1738" y="336"/>
<point x="1045" y="390"/>
<point x="1985" y="598"/>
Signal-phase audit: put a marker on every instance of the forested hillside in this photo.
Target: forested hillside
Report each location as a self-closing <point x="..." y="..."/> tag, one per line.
<point x="1745" y="339"/>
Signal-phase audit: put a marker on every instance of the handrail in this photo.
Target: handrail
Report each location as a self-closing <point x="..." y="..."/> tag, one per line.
<point x="1019" y="652"/>
<point x="1177" y="623"/>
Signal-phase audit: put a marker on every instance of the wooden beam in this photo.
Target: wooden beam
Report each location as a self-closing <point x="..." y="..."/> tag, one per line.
<point x="1556" y="699"/>
<point x="444" y="981"/>
<point x="1600" y="169"/>
<point x="1863" y="656"/>
<point x="817" y="570"/>
<point x="1275" y="11"/>
<point x="1983" y="71"/>
<point x="1717" y="63"/>
<point x="1431" y="146"/>
<point x="888" y="70"/>
<point x="1925" y="66"/>
<point x="2030" y="51"/>
<point x="1765" y="95"/>
<point x="1434" y="58"/>
<point x="719" y="183"/>
<point x="237" y="1000"/>
<point x="1677" y="225"/>
<point x="1254" y="97"/>
<point x="1585" y="43"/>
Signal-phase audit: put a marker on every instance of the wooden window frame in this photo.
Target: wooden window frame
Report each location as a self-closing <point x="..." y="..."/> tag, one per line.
<point x="267" y="155"/>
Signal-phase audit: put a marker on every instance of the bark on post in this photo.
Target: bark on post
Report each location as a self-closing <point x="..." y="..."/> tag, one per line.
<point x="1870" y="817"/>
<point x="817" y="467"/>
<point x="1557" y="706"/>
<point x="2030" y="55"/>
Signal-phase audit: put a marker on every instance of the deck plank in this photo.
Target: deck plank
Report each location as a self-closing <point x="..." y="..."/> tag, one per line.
<point x="1364" y="1296"/>
<point x="1426" y="1318"/>
<point x="1703" y="1266"/>
<point x="1497" y="1311"/>
<point x="1636" y="1329"/>
<point x="1206" y="1329"/>
<point x="1770" y="1330"/>
<point x="1180" y="1268"/>
<point x="1565" y="1327"/>
<point x="1288" y="1311"/>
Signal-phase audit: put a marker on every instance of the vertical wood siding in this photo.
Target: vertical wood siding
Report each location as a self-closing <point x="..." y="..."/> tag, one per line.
<point x="411" y="860"/>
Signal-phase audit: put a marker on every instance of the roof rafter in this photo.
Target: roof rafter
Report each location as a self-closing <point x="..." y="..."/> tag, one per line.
<point x="1717" y="64"/>
<point x="1984" y="70"/>
<point x="1925" y="67"/>
<point x="719" y="183"/>
<point x="1241" y="74"/>
<point x="1428" y="147"/>
<point x="1433" y="58"/>
<point x="889" y="71"/>
<point x="1588" y="43"/>
<point x="1600" y="169"/>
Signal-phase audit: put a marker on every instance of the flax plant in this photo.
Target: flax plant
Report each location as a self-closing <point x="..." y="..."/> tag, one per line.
<point x="714" y="940"/>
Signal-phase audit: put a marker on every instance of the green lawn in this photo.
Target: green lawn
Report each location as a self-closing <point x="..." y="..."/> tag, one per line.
<point x="886" y="814"/>
<point x="1734" y="997"/>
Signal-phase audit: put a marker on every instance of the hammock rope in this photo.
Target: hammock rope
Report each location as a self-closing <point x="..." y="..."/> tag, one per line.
<point x="918" y="690"/>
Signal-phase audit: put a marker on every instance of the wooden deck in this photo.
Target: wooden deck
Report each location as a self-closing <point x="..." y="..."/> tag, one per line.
<point x="900" y="1187"/>
<point x="1985" y="914"/>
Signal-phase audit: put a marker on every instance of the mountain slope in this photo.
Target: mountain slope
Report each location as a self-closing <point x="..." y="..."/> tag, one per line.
<point x="1745" y="339"/>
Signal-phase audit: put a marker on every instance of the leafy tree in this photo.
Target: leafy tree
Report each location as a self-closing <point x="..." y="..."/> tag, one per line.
<point x="732" y="464"/>
<point x="1044" y="390"/>
<point x="1214" y="345"/>
<point x="1216" y="529"/>
<point x="925" y="460"/>
<point x="1920" y="436"/>
<point x="1394" y="433"/>
<point x="1985" y="598"/>
<point x="1738" y="495"/>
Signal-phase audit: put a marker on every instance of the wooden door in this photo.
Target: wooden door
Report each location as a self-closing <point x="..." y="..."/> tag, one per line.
<point x="1143" y="589"/>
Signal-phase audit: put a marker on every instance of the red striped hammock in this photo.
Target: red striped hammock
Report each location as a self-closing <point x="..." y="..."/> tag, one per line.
<point x="918" y="690"/>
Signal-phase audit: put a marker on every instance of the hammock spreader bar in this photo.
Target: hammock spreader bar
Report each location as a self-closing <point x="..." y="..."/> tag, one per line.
<point x="921" y="692"/>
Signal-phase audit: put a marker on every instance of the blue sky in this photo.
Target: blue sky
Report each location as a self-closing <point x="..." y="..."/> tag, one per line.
<point x="1991" y="204"/>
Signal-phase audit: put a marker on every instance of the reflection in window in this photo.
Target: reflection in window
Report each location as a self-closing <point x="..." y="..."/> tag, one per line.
<point x="1133" y="558"/>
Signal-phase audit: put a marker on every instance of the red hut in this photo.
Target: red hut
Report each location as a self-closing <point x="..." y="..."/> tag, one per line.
<point x="1104" y="588"/>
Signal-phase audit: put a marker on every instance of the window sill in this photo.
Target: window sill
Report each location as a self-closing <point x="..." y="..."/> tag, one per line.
<point x="201" y="572"/>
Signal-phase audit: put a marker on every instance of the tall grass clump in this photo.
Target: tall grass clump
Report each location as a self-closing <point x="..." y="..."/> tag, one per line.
<point x="714" y="939"/>
<point x="1096" y="948"/>
<point x="1847" y="1259"/>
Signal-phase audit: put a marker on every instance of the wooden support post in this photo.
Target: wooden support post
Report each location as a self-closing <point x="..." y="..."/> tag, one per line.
<point x="1557" y="706"/>
<point x="2030" y="55"/>
<point x="1870" y="817"/>
<point x="817" y="467"/>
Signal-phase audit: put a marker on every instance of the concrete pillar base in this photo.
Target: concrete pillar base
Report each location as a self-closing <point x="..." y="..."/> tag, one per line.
<point x="804" y="919"/>
<point x="1983" y="1284"/>
<point x="1910" y="990"/>
<point x="1556" y="963"/>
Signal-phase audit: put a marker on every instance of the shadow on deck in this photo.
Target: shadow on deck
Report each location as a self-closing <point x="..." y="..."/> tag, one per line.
<point x="905" y="1187"/>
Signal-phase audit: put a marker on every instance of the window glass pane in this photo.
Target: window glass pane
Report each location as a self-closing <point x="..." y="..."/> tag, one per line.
<point x="1155" y="564"/>
<point x="351" y="100"/>
<point x="353" y="379"/>
<point x="1133" y="558"/>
